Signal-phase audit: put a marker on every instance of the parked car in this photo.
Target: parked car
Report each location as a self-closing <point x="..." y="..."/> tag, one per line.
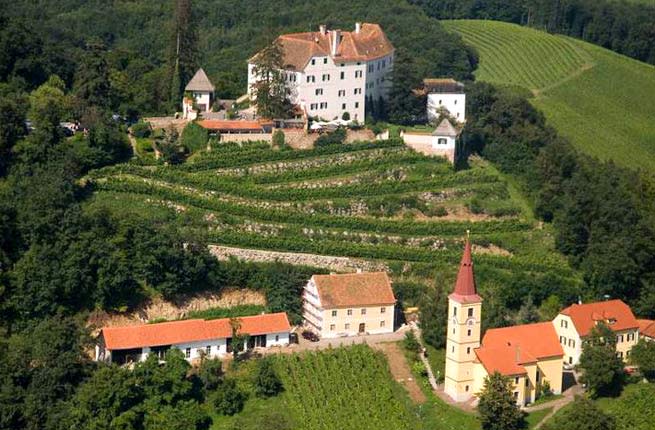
<point x="310" y="335"/>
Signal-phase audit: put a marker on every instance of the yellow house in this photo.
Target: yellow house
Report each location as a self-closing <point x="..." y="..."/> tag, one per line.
<point x="349" y="304"/>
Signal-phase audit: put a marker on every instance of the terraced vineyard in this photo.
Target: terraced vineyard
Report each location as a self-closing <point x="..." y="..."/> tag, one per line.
<point x="602" y="101"/>
<point x="376" y="201"/>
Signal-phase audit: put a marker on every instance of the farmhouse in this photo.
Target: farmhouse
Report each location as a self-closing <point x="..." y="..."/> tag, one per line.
<point x="445" y="95"/>
<point x="331" y="72"/>
<point x="194" y="337"/>
<point x="441" y="142"/>
<point x="575" y="322"/>
<point x="198" y="96"/>
<point x="349" y="304"/>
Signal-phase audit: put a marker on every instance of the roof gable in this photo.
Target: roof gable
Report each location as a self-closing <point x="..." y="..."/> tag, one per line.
<point x="445" y="128"/>
<point x="200" y="82"/>
<point x="615" y="313"/>
<point x="194" y="330"/>
<point x="647" y="328"/>
<point x="354" y="289"/>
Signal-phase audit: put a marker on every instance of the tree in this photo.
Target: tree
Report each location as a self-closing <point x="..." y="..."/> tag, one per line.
<point x="183" y="49"/>
<point x="210" y="373"/>
<point x="229" y="398"/>
<point x="549" y="308"/>
<point x="602" y="368"/>
<point x="497" y="407"/>
<point x="12" y="128"/>
<point x="267" y="382"/>
<point x="528" y="312"/>
<point x="92" y="86"/>
<point x="411" y="343"/>
<point x="405" y="106"/>
<point x="169" y="145"/>
<point x="433" y="313"/>
<point x="278" y="140"/>
<point x="583" y="414"/>
<point x="269" y="90"/>
<point x="643" y="356"/>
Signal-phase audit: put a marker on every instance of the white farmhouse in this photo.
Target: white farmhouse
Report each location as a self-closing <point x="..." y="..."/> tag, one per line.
<point x="194" y="337"/>
<point x="198" y="96"/>
<point x="573" y="325"/>
<point x="446" y="94"/>
<point x="349" y="304"/>
<point x="329" y="73"/>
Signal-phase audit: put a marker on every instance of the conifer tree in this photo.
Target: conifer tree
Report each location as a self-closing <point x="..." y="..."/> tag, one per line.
<point x="498" y="409"/>
<point x="270" y="92"/>
<point x="183" y="49"/>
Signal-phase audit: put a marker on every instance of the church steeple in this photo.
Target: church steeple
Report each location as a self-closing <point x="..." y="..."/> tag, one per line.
<point x="465" y="290"/>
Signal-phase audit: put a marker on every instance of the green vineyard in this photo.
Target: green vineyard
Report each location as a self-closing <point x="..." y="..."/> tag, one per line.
<point x="374" y="201"/>
<point x="598" y="99"/>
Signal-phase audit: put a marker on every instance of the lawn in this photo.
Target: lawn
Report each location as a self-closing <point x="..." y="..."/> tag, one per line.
<point x="604" y="102"/>
<point x="535" y="417"/>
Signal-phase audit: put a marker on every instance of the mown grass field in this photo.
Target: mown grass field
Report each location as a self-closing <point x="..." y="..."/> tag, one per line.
<point x="602" y="101"/>
<point x="375" y="201"/>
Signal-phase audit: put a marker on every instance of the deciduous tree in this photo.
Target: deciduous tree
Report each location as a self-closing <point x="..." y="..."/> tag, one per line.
<point x="602" y="368"/>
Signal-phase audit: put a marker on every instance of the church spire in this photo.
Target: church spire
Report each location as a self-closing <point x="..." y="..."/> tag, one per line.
<point x="465" y="290"/>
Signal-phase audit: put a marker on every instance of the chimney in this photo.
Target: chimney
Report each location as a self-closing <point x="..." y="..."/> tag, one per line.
<point x="358" y="27"/>
<point x="323" y="29"/>
<point x="336" y="38"/>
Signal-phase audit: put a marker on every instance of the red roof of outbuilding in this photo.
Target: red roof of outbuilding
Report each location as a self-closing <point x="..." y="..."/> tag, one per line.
<point x="216" y="124"/>
<point x="646" y="328"/>
<point x="465" y="290"/>
<point x="615" y="313"/>
<point x="195" y="330"/>
<point x="507" y="349"/>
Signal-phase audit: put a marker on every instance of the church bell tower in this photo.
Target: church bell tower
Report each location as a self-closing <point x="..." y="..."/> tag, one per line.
<point x="464" y="316"/>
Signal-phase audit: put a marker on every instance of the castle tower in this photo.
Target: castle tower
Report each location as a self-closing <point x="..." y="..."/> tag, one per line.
<point x="464" y="316"/>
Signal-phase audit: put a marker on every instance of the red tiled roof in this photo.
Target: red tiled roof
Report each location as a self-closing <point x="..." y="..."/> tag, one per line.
<point x="215" y="124"/>
<point x="646" y="328"/>
<point x="507" y="349"/>
<point x="195" y="330"/>
<point x="370" y="43"/>
<point x="586" y="316"/>
<point x="465" y="291"/>
<point x="354" y="289"/>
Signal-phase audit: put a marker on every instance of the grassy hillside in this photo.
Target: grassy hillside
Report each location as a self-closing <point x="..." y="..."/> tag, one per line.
<point x="602" y="101"/>
<point x="377" y="201"/>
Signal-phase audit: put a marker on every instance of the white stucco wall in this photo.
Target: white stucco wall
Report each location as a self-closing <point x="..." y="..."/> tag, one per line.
<point x="454" y="102"/>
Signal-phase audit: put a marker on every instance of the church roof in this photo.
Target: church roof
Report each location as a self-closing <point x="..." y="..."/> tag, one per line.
<point x="200" y="82"/>
<point x="615" y="313"/>
<point x="508" y="349"/>
<point x="465" y="290"/>
<point x="445" y="128"/>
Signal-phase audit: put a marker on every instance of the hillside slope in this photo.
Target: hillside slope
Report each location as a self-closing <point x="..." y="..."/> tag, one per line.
<point x="602" y="101"/>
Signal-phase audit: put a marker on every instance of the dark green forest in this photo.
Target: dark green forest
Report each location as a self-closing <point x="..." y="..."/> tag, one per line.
<point x="88" y="60"/>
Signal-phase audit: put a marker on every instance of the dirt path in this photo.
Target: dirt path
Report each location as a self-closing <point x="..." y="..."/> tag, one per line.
<point x="401" y="371"/>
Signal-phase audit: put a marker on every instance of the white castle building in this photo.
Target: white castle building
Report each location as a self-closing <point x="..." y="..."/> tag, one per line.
<point x="330" y="72"/>
<point x="445" y="94"/>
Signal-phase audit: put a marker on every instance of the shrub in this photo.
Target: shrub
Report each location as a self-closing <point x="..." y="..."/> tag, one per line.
<point x="229" y="398"/>
<point x="346" y="116"/>
<point x="419" y="368"/>
<point x="336" y="137"/>
<point x="475" y="206"/>
<point x="267" y="382"/>
<point x="278" y="139"/>
<point x="440" y="211"/>
<point x="210" y="373"/>
<point x="194" y="137"/>
<point x="411" y="343"/>
<point x="141" y="129"/>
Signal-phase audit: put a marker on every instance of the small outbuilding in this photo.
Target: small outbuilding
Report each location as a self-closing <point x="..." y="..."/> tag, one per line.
<point x="198" y="96"/>
<point x="441" y="142"/>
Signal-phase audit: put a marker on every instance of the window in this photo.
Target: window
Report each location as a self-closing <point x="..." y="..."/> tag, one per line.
<point x="527" y="382"/>
<point x="349" y="312"/>
<point x="358" y="73"/>
<point x="516" y="394"/>
<point x="343" y="74"/>
<point x="383" y="310"/>
<point x="277" y="337"/>
<point x="455" y="102"/>
<point x="342" y="93"/>
<point x="453" y="330"/>
<point x="343" y="106"/>
<point x="538" y="376"/>
<point x="323" y="105"/>
<point x="356" y="106"/>
<point x="516" y="380"/>
<point x="466" y="388"/>
<point x="357" y="91"/>
<point x="325" y="60"/>
<point x="564" y="324"/>
<point x="443" y="141"/>
<point x="334" y="313"/>
<point x="319" y="91"/>
<point x="619" y="338"/>
<point x="313" y="106"/>
<point x="439" y="102"/>
<point x="570" y="360"/>
<point x="619" y="354"/>
<point x="470" y="312"/>
<point x="454" y="311"/>
<point x="452" y="349"/>
<point x="313" y="61"/>
<point x="187" y="353"/>
<point x="347" y="326"/>
<point x="326" y="77"/>
<point x="468" y="332"/>
<point x="208" y="349"/>
<point x="363" y="311"/>
<point x="332" y="327"/>
<point x="311" y="78"/>
<point x="468" y="349"/>
<point x="382" y="323"/>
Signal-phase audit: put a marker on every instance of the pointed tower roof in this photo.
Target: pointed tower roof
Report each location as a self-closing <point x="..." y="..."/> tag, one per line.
<point x="465" y="291"/>
<point x="445" y="128"/>
<point x="200" y="82"/>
